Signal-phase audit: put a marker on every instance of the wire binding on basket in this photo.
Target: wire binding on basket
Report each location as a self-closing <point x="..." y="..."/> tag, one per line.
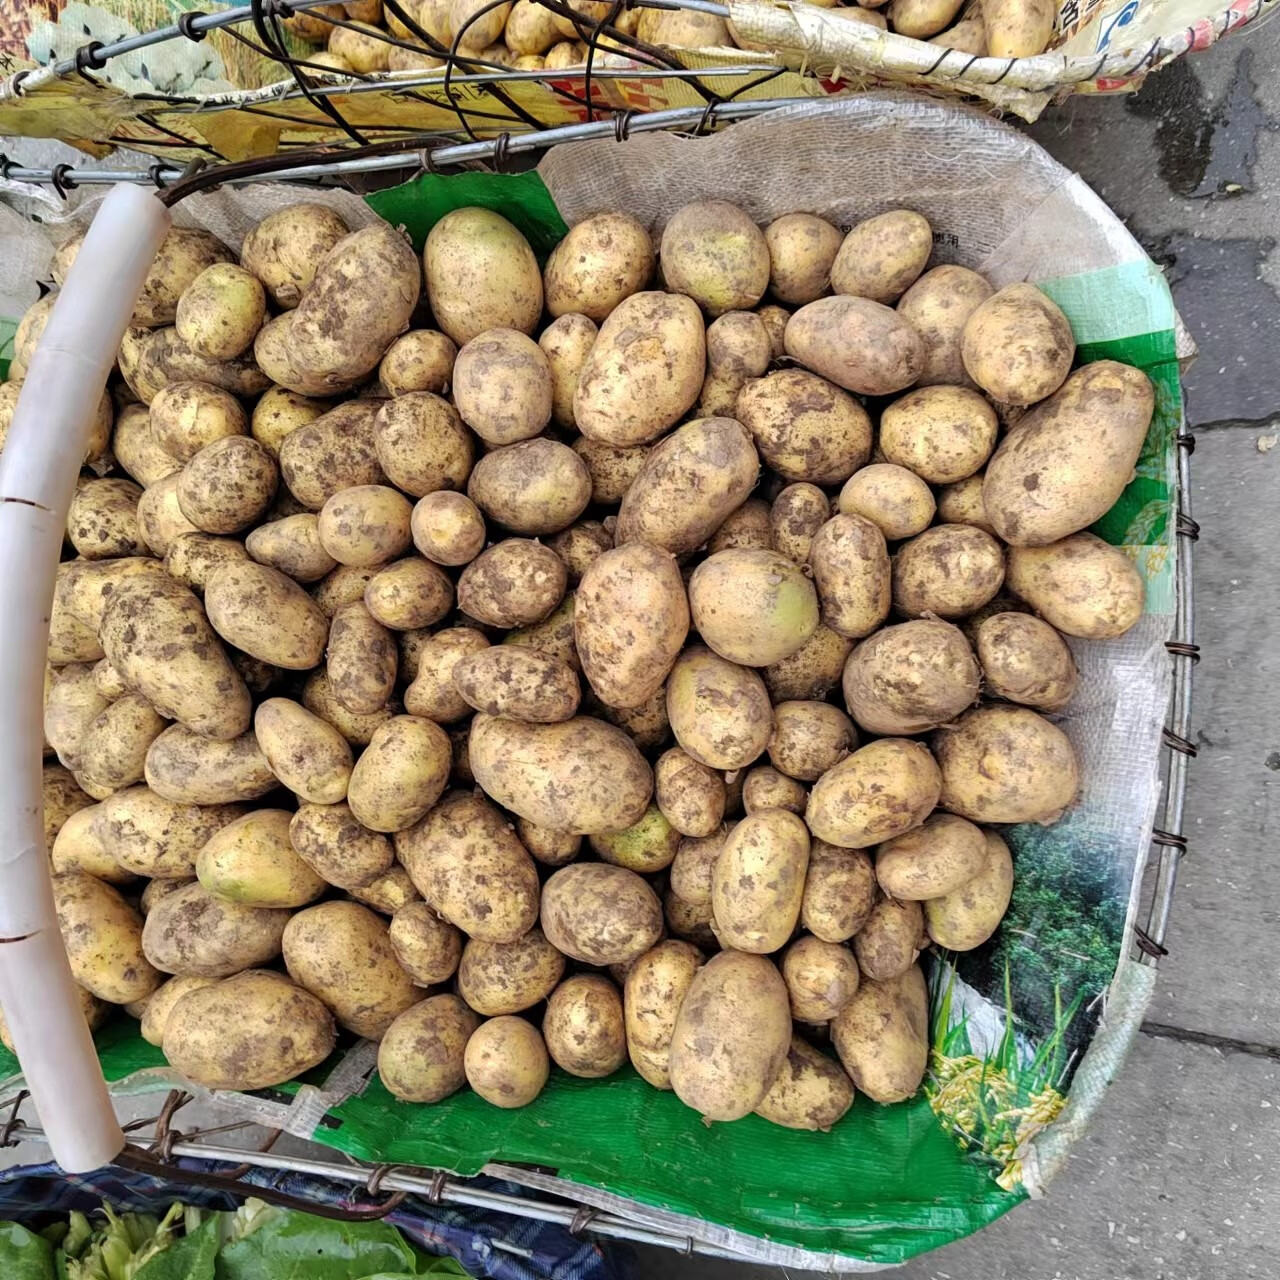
<point x="190" y="32"/>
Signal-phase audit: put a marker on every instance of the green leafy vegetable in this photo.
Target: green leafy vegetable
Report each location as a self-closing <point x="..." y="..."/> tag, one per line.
<point x="301" y="1246"/>
<point x="24" y="1255"/>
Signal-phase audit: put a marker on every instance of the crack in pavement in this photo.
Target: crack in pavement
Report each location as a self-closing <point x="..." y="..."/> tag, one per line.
<point x="1226" y="1044"/>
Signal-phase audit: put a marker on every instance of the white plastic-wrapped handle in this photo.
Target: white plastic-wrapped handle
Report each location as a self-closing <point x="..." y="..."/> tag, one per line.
<point x="38" y="470"/>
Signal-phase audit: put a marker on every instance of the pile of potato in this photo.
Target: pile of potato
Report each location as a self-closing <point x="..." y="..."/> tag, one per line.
<point x="632" y="691"/>
<point x="528" y="36"/>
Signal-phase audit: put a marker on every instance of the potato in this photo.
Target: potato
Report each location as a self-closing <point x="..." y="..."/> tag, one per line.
<point x="366" y="525"/>
<point x="221" y="311"/>
<point x="537" y="487"/>
<point x="337" y="848"/>
<point x="566" y="343"/>
<point x="809" y="1092"/>
<point x="280" y="411"/>
<point x="1006" y="764"/>
<point x="70" y="707"/>
<point x="1080" y="585"/>
<point x="427" y="947"/>
<point x="797" y="514"/>
<point x="581" y="775"/>
<point x="646" y="725"/>
<point x="809" y="737"/>
<point x="805" y="427"/>
<point x="714" y="253"/>
<point x="291" y="546"/>
<point x="731" y="1036"/>
<point x="882" y="1036"/>
<point x="839" y="892"/>
<point x="1025" y="660"/>
<point x="390" y="892"/>
<point x="939" y="305"/>
<point x="447" y="528"/>
<point x="254" y="1031"/>
<point x="318" y="698"/>
<point x="552" y="636"/>
<point x="746" y="527"/>
<point x="686" y="29"/>
<point x="888" y="944"/>
<point x="856" y="343"/>
<point x="466" y="861"/>
<point x="506" y="977"/>
<point x="148" y="835"/>
<point x="931" y="861"/>
<point x="160" y="517"/>
<point x="968" y="916"/>
<point x="474" y="25"/>
<point x="193" y="933"/>
<point x="251" y="862"/>
<point x="192" y="557"/>
<point x="656" y="984"/>
<point x="644" y="372"/>
<point x="821" y="977"/>
<point x="227" y="486"/>
<point x="517" y="682"/>
<point x="765" y="788"/>
<point x="630" y="619"/>
<point x="340" y="952"/>
<point x="157" y="891"/>
<point x="738" y="349"/>
<point x="812" y="671"/>
<point x="646" y="847"/>
<point x="162" y="358"/>
<point x="752" y="606"/>
<point x="136" y="449"/>
<point x="420" y="1057"/>
<point x="158" y="639"/>
<point x="1017" y="345"/>
<point x="880" y="791"/>
<point x="923" y="18"/>
<point x="580" y="545"/>
<point x="514" y="583"/>
<point x="758" y="881"/>
<point x="285" y="249"/>
<point x="603" y="260"/>
<point x="432" y="693"/>
<point x="267" y="615"/>
<point x="950" y="571"/>
<point x="30" y="329"/>
<point x="188" y="768"/>
<point x="337" y="451"/>
<point x="719" y="711"/>
<point x="882" y="256"/>
<point x="361" y="660"/>
<point x="342" y="586"/>
<point x="1017" y="28"/>
<point x="551" y="848"/>
<point x="506" y="1061"/>
<point x="400" y="774"/>
<point x="961" y="503"/>
<point x="183" y="254"/>
<point x="187" y="416"/>
<point x="103" y="520"/>
<point x="967" y="36"/>
<point x="422" y="443"/>
<point x="114" y="746"/>
<point x="420" y="360"/>
<point x="1066" y="462"/>
<point x="850" y="565"/>
<point x="689" y="485"/>
<point x="943" y="434"/>
<point x="600" y="914"/>
<point x="72" y="638"/>
<point x="895" y="500"/>
<point x="103" y="938"/>
<point x="107" y="680"/>
<point x="802" y="248"/>
<point x="566" y="53"/>
<point x="531" y="29"/>
<point x="409" y="594"/>
<point x="79" y="846"/>
<point x="689" y="795"/>
<point x="584" y="1027"/>
<point x="161" y="1003"/>
<point x="910" y="678"/>
<point x="61" y="798"/>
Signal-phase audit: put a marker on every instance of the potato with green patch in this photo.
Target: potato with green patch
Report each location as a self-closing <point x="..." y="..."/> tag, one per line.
<point x="603" y="260"/>
<point x="850" y="564"/>
<point x="103" y="937"/>
<point x="880" y="791"/>
<point x="882" y="1036"/>
<point x="860" y="345"/>
<point x="883" y="256"/>
<point x="714" y="253"/>
<point x="966" y="917"/>
<point x="1018" y="346"/>
<point x="191" y="932"/>
<point x="267" y="615"/>
<point x="188" y="768"/>
<point x="536" y="487"/>
<point x="420" y="1056"/>
<point x="647" y="846"/>
<point x="427" y="947"/>
<point x="251" y="861"/>
<point x="338" y="848"/>
<point x="221" y="311"/>
<point x="514" y="583"/>
<point x="600" y="914"/>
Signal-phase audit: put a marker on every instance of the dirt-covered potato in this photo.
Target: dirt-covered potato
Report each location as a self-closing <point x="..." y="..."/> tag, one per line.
<point x="291" y="545"/>
<point x="306" y="754"/>
<point x="856" y="343"/>
<point x="337" y="451"/>
<point x="882" y="256"/>
<point x="1017" y="345"/>
<point x="821" y="977"/>
<point x="600" y="914"/>
<point x="280" y="411"/>
<point x="341" y="586"/>
<point x="420" y="1056"/>
<point x="422" y="444"/>
<point x="136" y="449"/>
<point x="192" y="557"/>
<point x="481" y="274"/>
<point x="1006" y="764"/>
<point x="79" y="846"/>
<point x="758" y="881"/>
<point x="253" y="1031"/>
<point x="812" y="671"/>
<point x="409" y="594"/>
<point x="644" y="372"/>
<point x="103" y="937"/>
<point x="895" y="500"/>
<point x="113" y="749"/>
<point x="183" y="254"/>
<point x="427" y="947"/>
<point x="882" y="1036"/>
<point x="552" y="636"/>
<point x="1067" y="461"/>
<point x="584" y="1027"/>
<point x="580" y="545"/>
<point x="880" y="791"/>
<point x="850" y="564"/>
<point x="432" y="693"/>
<point x="400" y="774"/>
<point x="286" y="247"/>
<point x="1081" y="585"/>
<point x="689" y="484"/>
<point x="549" y="847"/>
<point x="162" y="1001"/>
<point x="420" y="360"/>
<point x="447" y="528"/>
<point x="603" y="260"/>
<point x="910" y="678"/>
<point x="107" y="680"/>
<point x="227" y="486"/>
<point x="148" y="835"/>
<point x="61" y="799"/>
<point x="330" y="840"/>
<point x="714" y="253"/>
<point x="839" y="892"/>
<point x="260" y="611"/>
<point x="690" y="795"/>
<point x="888" y="944"/>
<point x="933" y="860"/>
<point x="514" y="583"/>
<point x="1017" y="28"/>
<point x="318" y="698"/>
<point x="566" y="343"/>
<point x="30" y="329"/>
<point x="250" y="861"/>
<point x="187" y="416"/>
<point x="506" y="1062"/>
<point x="961" y="503"/>
<point x="646" y="846"/>
<point x="765" y="788"/>
<point x="511" y="680"/>
<point x="160" y="518"/>
<point x="1025" y="660"/>
<point x="341" y="953"/>
<point x="939" y="305"/>
<point x="507" y="977"/>
<point x="796" y="515"/>
<point x="191" y="932"/>
<point x="809" y="738"/>
<point x="949" y="571"/>
<point x="365" y="526"/>
<point x="802" y="248"/>
<point x="941" y="433"/>
<point x="466" y="861"/>
<point x="156" y="359"/>
<point x="810" y="1091"/>
<point x="102" y="521"/>
<point x="747" y="527"/>
<point x="157" y="637"/>
<point x="221" y="311"/>
<point x="531" y="29"/>
<point x="731" y="1035"/>
<point x="719" y="711"/>
<point x="580" y="775"/>
<point x="189" y="768"/>
<point x="71" y="705"/>
<point x="656" y="984"/>
<point x="537" y="487"/>
<point x="361" y="660"/>
<point x="966" y="917"/>
<point x="738" y="349"/>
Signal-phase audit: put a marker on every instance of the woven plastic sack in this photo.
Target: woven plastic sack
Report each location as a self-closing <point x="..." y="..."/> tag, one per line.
<point x="1029" y="1028"/>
